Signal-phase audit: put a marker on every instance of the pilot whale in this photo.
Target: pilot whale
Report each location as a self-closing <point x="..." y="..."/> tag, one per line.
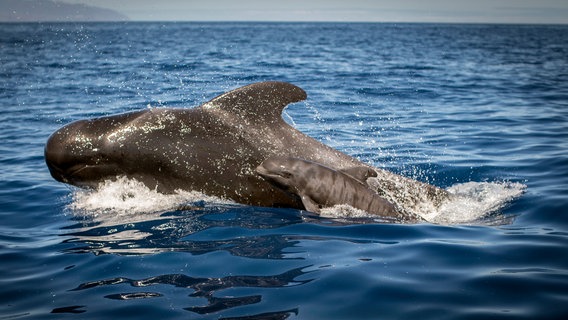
<point x="213" y="148"/>
<point x="318" y="187"/>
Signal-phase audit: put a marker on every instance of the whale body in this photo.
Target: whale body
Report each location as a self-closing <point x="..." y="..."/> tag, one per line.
<point x="213" y="148"/>
<point x="318" y="187"/>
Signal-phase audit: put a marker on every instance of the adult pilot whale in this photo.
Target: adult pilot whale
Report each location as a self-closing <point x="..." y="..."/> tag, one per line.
<point x="213" y="148"/>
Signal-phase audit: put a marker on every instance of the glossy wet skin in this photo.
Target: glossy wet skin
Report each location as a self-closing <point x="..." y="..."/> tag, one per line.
<point x="319" y="186"/>
<point x="84" y="153"/>
<point x="213" y="148"/>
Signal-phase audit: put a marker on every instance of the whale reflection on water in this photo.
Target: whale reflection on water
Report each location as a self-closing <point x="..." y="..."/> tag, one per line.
<point x="190" y="231"/>
<point x="206" y="288"/>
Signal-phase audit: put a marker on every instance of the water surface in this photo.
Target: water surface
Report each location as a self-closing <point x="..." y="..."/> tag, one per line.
<point x="478" y="109"/>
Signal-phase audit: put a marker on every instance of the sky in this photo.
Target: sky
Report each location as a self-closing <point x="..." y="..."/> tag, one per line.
<point x="504" y="11"/>
<point x="464" y="11"/>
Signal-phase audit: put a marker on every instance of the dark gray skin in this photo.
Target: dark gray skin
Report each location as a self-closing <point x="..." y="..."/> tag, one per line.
<point x="213" y="148"/>
<point x="321" y="187"/>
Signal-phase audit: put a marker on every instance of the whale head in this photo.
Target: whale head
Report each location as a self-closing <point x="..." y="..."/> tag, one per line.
<point x="86" y="152"/>
<point x="284" y="172"/>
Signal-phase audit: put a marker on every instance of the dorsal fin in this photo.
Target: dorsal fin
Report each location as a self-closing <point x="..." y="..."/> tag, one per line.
<point x="263" y="100"/>
<point x="361" y="173"/>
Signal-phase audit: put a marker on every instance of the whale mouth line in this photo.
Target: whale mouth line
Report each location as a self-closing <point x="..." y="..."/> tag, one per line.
<point x="69" y="175"/>
<point x="267" y="174"/>
<point x="80" y="174"/>
<point x="75" y="169"/>
<point x="70" y="171"/>
<point x="262" y="171"/>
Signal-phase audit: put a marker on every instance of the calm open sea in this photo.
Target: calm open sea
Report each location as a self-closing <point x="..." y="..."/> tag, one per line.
<point x="481" y="110"/>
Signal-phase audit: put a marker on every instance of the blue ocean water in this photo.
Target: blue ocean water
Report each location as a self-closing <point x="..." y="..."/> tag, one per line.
<point x="481" y="110"/>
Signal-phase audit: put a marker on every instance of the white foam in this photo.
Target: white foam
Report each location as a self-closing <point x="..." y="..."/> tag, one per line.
<point x="128" y="197"/>
<point x="473" y="201"/>
<point x="469" y="202"/>
<point x="344" y="211"/>
<point x="129" y="200"/>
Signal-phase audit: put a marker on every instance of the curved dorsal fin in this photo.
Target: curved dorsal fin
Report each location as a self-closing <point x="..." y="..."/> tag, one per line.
<point x="262" y="100"/>
<point x="361" y="173"/>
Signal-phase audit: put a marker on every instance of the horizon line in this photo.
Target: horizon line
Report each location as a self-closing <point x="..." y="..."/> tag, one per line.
<point x="292" y="21"/>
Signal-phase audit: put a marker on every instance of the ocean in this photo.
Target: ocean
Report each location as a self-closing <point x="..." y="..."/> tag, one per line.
<point x="479" y="110"/>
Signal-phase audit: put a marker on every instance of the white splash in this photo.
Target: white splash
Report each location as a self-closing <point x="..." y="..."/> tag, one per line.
<point x="344" y="211"/>
<point x="128" y="197"/>
<point x="126" y="200"/>
<point x="473" y="201"/>
<point x="469" y="202"/>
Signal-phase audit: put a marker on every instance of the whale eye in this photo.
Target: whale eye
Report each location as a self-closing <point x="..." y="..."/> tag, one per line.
<point x="286" y="174"/>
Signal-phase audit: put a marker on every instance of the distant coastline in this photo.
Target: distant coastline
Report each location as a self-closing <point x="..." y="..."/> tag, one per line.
<point x="59" y="11"/>
<point x="55" y="11"/>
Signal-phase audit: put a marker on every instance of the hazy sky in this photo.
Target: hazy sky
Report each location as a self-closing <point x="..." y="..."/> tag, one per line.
<point x="501" y="11"/>
<point x="505" y="11"/>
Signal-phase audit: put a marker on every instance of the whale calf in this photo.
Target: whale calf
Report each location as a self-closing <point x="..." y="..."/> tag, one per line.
<point x="320" y="187"/>
<point x="213" y="148"/>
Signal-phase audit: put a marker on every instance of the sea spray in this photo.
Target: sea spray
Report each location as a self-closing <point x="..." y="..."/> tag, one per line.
<point x="473" y="201"/>
<point x="130" y="200"/>
<point x="125" y="196"/>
